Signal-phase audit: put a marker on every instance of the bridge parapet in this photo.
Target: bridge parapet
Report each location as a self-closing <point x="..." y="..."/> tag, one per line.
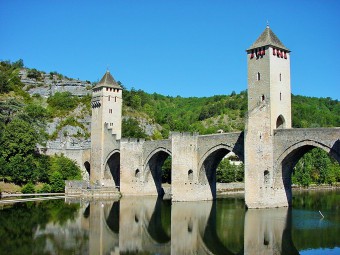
<point x="231" y="141"/>
<point x="287" y="140"/>
<point x="151" y="147"/>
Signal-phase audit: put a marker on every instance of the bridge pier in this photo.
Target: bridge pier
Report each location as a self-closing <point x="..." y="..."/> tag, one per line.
<point x="185" y="173"/>
<point x="131" y="167"/>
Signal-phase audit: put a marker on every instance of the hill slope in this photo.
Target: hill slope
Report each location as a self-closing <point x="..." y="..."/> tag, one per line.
<point x="153" y="116"/>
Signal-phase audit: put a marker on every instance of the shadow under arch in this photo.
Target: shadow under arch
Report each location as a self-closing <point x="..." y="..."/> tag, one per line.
<point x="286" y="162"/>
<point x="208" y="165"/>
<point x="212" y="242"/>
<point x="112" y="217"/>
<point x="153" y="165"/>
<point x="159" y="227"/>
<point x="87" y="166"/>
<point x="112" y="169"/>
<point x="288" y="246"/>
<point x="280" y="122"/>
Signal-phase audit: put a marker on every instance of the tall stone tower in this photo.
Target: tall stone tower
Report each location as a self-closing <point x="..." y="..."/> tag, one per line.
<point x="106" y="119"/>
<point x="269" y="108"/>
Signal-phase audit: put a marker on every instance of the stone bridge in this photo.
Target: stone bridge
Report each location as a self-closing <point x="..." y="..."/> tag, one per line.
<point x="194" y="162"/>
<point x="196" y="157"/>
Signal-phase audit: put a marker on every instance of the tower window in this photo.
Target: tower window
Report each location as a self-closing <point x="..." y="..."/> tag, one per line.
<point x="137" y="173"/>
<point x="190" y="175"/>
<point x="280" y="96"/>
<point x="280" y="122"/>
<point x="266" y="177"/>
<point x="280" y="77"/>
<point x="262" y="98"/>
<point x="109" y="98"/>
<point x="258" y="77"/>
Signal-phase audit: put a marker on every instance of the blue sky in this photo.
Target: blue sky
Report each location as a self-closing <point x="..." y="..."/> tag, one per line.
<point x="173" y="47"/>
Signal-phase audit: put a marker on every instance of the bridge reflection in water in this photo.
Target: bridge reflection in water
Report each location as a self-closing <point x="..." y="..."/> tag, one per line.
<point x="147" y="225"/>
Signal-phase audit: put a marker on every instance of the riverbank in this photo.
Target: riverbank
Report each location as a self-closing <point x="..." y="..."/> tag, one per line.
<point x="238" y="187"/>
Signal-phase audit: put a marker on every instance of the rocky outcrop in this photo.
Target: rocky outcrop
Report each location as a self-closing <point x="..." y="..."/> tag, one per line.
<point x="48" y="84"/>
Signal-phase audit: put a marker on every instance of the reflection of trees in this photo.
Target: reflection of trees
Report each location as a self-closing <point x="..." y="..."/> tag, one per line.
<point x="310" y="230"/>
<point x="21" y="222"/>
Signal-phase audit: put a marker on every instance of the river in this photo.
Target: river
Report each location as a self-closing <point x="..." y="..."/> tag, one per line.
<point x="145" y="225"/>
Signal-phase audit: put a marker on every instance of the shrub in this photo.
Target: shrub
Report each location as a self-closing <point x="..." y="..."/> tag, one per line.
<point x="57" y="182"/>
<point x="46" y="188"/>
<point x="28" y="188"/>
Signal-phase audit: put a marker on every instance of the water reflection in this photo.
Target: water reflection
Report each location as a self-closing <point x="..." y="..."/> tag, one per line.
<point x="268" y="232"/>
<point x="145" y="225"/>
<point x="206" y="227"/>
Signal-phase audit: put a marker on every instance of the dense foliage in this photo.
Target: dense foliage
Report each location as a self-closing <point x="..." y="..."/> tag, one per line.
<point x="229" y="172"/>
<point x="204" y="115"/>
<point x="316" y="167"/>
<point x="23" y="124"/>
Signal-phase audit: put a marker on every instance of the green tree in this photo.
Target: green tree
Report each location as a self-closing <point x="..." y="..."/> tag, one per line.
<point x="227" y="172"/>
<point x="62" y="102"/>
<point x="68" y="168"/>
<point x="46" y="188"/>
<point x="9" y="79"/>
<point x="131" y="128"/>
<point x="57" y="182"/>
<point x="19" y="138"/>
<point x="33" y="74"/>
<point x="136" y="102"/>
<point x="166" y="170"/>
<point x="22" y="169"/>
<point x="28" y="188"/>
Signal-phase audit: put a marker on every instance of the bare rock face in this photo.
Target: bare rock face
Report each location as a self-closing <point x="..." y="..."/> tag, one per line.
<point x="47" y="85"/>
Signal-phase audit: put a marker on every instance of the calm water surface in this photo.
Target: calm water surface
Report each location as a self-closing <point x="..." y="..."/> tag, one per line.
<point x="150" y="226"/>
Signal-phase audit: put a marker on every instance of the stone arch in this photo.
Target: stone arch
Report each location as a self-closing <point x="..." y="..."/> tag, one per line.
<point x="112" y="169"/>
<point x="153" y="170"/>
<point x="283" y="166"/>
<point x="280" y="122"/>
<point x="208" y="164"/>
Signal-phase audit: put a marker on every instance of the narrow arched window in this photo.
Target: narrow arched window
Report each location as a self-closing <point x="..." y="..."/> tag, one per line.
<point x="266" y="177"/>
<point x="280" y="96"/>
<point x="280" y="77"/>
<point x="137" y="173"/>
<point x="190" y="175"/>
<point x="258" y="77"/>
<point x="263" y="98"/>
<point x="280" y="122"/>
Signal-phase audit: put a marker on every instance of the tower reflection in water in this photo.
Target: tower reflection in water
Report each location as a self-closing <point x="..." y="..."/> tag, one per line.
<point x="147" y="225"/>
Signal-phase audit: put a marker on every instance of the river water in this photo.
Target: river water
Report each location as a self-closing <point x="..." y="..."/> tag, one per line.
<point x="145" y="225"/>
